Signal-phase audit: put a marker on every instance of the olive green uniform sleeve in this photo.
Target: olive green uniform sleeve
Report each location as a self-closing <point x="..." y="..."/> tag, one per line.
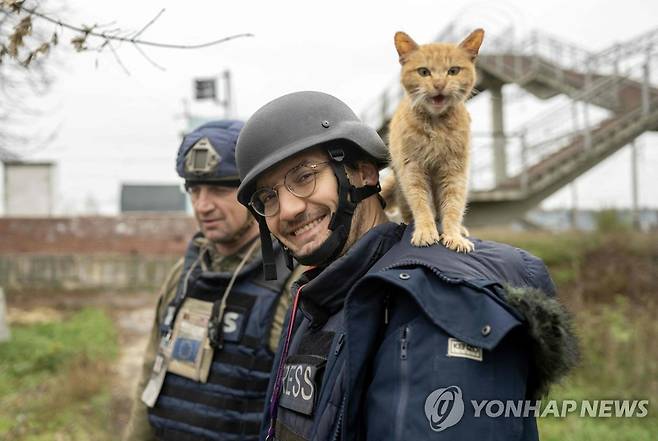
<point x="138" y="428"/>
<point x="282" y="308"/>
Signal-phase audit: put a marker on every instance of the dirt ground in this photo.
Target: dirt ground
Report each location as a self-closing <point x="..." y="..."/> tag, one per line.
<point x="132" y="313"/>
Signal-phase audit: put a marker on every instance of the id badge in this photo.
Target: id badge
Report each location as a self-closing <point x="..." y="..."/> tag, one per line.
<point x="189" y="347"/>
<point x="154" y="386"/>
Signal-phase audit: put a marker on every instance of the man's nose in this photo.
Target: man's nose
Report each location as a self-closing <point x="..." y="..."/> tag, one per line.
<point x="202" y="202"/>
<point x="290" y="206"/>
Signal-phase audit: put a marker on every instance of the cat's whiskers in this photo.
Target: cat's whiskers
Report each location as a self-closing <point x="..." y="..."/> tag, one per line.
<point x="474" y="92"/>
<point x="418" y="98"/>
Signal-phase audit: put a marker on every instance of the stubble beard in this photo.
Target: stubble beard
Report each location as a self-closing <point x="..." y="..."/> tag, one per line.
<point x="315" y="247"/>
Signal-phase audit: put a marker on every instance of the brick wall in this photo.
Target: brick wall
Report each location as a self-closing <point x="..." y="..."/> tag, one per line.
<point x="84" y="272"/>
<point x="91" y="253"/>
<point x="139" y="234"/>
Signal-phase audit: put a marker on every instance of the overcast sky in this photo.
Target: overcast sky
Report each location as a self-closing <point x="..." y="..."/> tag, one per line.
<point x="116" y="127"/>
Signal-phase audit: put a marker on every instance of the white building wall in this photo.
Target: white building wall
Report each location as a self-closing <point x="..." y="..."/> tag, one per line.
<point x="28" y="189"/>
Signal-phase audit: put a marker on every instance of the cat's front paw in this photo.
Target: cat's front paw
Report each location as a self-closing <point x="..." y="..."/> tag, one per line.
<point x="457" y="243"/>
<point x="424" y="237"/>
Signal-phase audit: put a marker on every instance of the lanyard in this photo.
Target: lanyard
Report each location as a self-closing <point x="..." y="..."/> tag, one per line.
<point x="274" y="401"/>
<point x="172" y="309"/>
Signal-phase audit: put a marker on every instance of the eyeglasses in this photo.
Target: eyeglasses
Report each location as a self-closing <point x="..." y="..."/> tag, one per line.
<point x="300" y="181"/>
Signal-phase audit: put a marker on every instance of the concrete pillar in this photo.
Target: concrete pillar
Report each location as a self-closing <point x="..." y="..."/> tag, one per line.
<point x="573" y="214"/>
<point x="499" y="153"/>
<point x="524" y="162"/>
<point x="635" y="210"/>
<point x="4" y="327"/>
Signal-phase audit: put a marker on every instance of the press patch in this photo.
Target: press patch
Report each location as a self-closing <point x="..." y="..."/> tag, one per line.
<point x="460" y="349"/>
<point x="299" y="387"/>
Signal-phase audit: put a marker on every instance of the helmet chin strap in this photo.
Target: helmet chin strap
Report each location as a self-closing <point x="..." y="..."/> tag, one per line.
<point x="269" y="265"/>
<point x="340" y="224"/>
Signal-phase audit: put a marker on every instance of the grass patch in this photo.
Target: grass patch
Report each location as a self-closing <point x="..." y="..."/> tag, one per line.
<point x="53" y="379"/>
<point x="619" y="362"/>
<point x="574" y="428"/>
<point x="586" y="428"/>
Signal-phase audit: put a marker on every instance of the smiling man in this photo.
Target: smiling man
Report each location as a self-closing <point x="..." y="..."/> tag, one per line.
<point x="386" y="341"/>
<point x="218" y="320"/>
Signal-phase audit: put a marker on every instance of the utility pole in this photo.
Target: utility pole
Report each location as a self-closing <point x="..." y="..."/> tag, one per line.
<point x="228" y="95"/>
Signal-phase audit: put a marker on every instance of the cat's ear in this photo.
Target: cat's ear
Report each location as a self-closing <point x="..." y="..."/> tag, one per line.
<point x="404" y="45"/>
<point x="473" y="42"/>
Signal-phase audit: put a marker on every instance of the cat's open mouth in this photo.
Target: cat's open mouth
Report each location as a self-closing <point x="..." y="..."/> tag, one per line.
<point x="438" y="100"/>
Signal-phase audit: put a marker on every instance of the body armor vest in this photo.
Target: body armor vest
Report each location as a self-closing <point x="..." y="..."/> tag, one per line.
<point x="229" y="405"/>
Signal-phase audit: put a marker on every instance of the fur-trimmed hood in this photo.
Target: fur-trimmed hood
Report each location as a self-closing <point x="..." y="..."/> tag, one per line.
<point x="551" y="336"/>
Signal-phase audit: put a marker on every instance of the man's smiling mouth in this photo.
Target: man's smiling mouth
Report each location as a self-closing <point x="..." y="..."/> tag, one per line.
<point x="307" y="226"/>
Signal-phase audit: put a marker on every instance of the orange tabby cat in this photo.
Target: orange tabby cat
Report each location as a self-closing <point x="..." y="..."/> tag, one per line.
<point x="430" y="136"/>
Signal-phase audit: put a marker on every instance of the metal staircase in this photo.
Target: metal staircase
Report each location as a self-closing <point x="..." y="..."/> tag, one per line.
<point x="555" y="148"/>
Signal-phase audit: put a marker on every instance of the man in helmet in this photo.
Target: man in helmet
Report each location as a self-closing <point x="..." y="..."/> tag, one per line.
<point x="385" y="340"/>
<point x="218" y="320"/>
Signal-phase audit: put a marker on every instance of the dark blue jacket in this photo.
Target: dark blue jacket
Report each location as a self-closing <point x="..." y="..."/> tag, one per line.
<point x="424" y="332"/>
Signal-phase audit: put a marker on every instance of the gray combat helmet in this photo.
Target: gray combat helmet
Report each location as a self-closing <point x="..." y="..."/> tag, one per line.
<point x="293" y="123"/>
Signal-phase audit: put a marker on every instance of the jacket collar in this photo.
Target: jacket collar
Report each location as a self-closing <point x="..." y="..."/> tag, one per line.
<point x="325" y="289"/>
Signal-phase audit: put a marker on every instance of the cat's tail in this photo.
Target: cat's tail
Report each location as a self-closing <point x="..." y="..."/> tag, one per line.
<point x="388" y="184"/>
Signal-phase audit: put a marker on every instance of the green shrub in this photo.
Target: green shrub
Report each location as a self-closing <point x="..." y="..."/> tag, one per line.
<point x="610" y="220"/>
<point x="53" y="379"/>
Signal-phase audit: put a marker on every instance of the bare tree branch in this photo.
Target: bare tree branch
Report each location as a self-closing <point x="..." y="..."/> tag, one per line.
<point x="109" y="36"/>
<point x="23" y="81"/>
<point x="149" y="59"/>
<point x="116" y="57"/>
<point x="141" y="31"/>
<point x="26" y="40"/>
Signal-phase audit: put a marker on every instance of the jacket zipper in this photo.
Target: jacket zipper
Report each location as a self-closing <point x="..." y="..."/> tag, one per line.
<point x="339" y="423"/>
<point x="328" y="370"/>
<point x="404" y="385"/>
<point x="339" y="344"/>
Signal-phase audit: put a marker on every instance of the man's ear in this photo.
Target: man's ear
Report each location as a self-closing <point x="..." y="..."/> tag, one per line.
<point x="368" y="172"/>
